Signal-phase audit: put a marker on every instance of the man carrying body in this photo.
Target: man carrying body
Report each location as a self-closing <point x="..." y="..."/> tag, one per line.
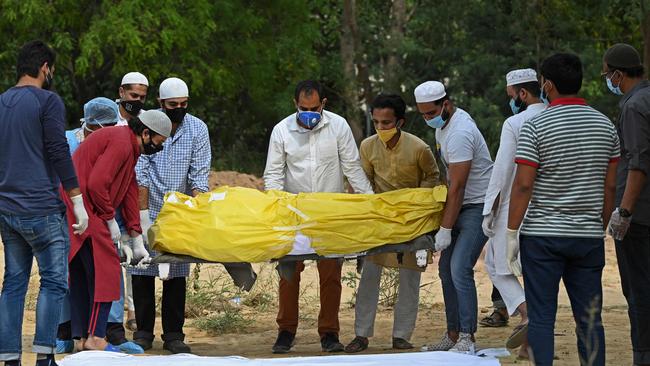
<point x="311" y="151"/>
<point x="460" y="238"/>
<point x="392" y="159"/>
<point x="183" y="166"/>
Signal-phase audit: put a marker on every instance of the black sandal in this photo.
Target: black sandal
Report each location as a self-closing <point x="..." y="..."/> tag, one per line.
<point x="494" y="320"/>
<point x="358" y="344"/>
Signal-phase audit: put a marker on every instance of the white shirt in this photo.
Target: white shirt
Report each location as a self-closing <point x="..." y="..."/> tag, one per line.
<point x="302" y="160"/>
<point x="461" y="141"/>
<point x="503" y="171"/>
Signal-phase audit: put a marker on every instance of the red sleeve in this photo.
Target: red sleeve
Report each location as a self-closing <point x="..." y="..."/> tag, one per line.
<point x="526" y="162"/>
<point x="131" y="208"/>
<point x="103" y="174"/>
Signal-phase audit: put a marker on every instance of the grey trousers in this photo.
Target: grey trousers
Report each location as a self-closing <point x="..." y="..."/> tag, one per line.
<point x="406" y="308"/>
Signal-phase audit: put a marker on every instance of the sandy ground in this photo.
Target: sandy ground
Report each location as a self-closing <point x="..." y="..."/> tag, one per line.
<point x="255" y="340"/>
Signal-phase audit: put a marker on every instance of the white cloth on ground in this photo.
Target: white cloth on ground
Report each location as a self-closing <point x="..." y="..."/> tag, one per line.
<point x="102" y="358"/>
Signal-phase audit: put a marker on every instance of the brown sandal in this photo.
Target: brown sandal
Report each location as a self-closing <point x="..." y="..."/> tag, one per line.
<point x="494" y="320"/>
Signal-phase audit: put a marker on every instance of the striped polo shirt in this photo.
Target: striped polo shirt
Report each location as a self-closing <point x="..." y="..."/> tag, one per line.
<point x="571" y="145"/>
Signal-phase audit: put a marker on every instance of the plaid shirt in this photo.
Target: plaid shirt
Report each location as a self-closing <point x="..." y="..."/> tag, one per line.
<point x="182" y="165"/>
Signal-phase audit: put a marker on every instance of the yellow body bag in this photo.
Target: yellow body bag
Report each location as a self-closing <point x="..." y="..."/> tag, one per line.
<point x="235" y="224"/>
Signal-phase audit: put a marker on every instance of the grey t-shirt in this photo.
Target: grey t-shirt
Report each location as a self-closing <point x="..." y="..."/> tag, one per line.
<point x="462" y="141"/>
<point x="634" y="132"/>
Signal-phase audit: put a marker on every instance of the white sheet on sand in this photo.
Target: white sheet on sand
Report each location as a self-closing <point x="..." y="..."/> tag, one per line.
<point x="100" y="358"/>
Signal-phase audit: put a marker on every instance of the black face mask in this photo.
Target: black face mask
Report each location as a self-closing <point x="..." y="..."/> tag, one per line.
<point x="132" y="107"/>
<point x="150" y="148"/>
<point x="47" y="83"/>
<point x="176" y="115"/>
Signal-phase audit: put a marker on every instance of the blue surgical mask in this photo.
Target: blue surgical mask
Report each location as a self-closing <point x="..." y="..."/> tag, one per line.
<point x="542" y="96"/>
<point x="309" y="118"/>
<point x="514" y="107"/>
<point x="436" y="122"/>
<point x="614" y="89"/>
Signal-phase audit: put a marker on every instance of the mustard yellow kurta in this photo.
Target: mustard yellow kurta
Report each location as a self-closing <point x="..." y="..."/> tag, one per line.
<point x="409" y="164"/>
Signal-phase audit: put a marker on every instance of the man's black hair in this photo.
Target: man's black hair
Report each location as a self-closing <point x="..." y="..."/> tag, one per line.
<point x="441" y="100"/>
<point x="632" y="72"/>
<point x="532" y="87"/>
<point x="32" y="56"/>
<point x="136" y="125"/>
<point x="392" y="101"/>
<point x="565" y="71"/>
<point x="308" y="87"/>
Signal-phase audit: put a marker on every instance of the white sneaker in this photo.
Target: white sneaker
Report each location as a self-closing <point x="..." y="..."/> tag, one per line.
<point x="445" y="344"/>
<point x="464" y="344"/>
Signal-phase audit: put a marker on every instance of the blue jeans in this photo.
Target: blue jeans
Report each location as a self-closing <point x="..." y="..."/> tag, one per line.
<point x="579" y="263"/>
<point x="117" y="307"/>
<point x="456" y="269"/>
<point x="46" y="239"/>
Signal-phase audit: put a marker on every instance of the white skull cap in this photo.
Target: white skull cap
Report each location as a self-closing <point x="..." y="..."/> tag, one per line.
<point x="520" y="76"/>
<point x="134" y="77"/>
<point x="429" y="91"/>
<point x="157" y="121"/>
<point x="173" y="88"/>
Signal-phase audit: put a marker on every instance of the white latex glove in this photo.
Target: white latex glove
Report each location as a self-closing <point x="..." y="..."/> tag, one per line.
<point x="145" y="223"/>
<point x="125" y="249"/>
<point x="618" y="225"/>
<point x="487" y="225"/>
<point x="80" y="215"/>
<point x="114" y="228"/>
<point x="163" y="271"/>
<point x="139" y="251"/>
<point x="144" y="263"/>
<point x="421" y="258"/>
<point x="512" y="251"/>
<point x="443" y="239"/>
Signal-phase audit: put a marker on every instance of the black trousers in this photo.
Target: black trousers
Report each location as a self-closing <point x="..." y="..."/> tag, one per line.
<point x="633" y="255"/>
<point x="173" y="307"/>
<point x="89" y="317"/>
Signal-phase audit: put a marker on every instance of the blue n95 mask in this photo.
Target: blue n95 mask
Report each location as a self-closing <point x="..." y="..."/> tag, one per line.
<point x="309" y="118"/>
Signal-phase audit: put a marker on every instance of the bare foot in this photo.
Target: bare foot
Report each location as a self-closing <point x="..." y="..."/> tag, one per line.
<point x="523" y="351"/>
<point x="95" y="344"/>
<point x="78" y="345"/>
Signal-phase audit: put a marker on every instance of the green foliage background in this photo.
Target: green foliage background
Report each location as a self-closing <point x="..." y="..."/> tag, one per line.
<point x="242" y="59"/>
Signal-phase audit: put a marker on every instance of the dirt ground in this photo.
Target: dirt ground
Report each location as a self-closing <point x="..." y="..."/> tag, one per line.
<point x="255" y="340"/>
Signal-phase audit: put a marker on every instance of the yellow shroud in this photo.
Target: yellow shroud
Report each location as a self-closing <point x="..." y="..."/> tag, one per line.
<point x="235" y="224"/>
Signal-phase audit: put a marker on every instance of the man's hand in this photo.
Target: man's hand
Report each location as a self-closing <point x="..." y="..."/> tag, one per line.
<point x="163" y="271"/>
<point x="114" y="229"/>
<point x="145" y="223"/>
<point x="618" y="225"/>
<point x="512" y="251"/>
<point x="80" y="214"/>
<point x="488" y="222"/>
<point x="139" y="251"/>
<point x="443" y="239"/>
<point x="125" y="249"/>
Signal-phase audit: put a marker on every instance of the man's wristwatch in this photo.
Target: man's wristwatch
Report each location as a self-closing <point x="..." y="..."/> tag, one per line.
<point x="624" y="213"/>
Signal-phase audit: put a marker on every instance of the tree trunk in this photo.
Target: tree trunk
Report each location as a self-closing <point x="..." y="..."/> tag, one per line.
<point x="645" y="27"/>
<point x="392" y="73"/>
<point x="349" y="33"/>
